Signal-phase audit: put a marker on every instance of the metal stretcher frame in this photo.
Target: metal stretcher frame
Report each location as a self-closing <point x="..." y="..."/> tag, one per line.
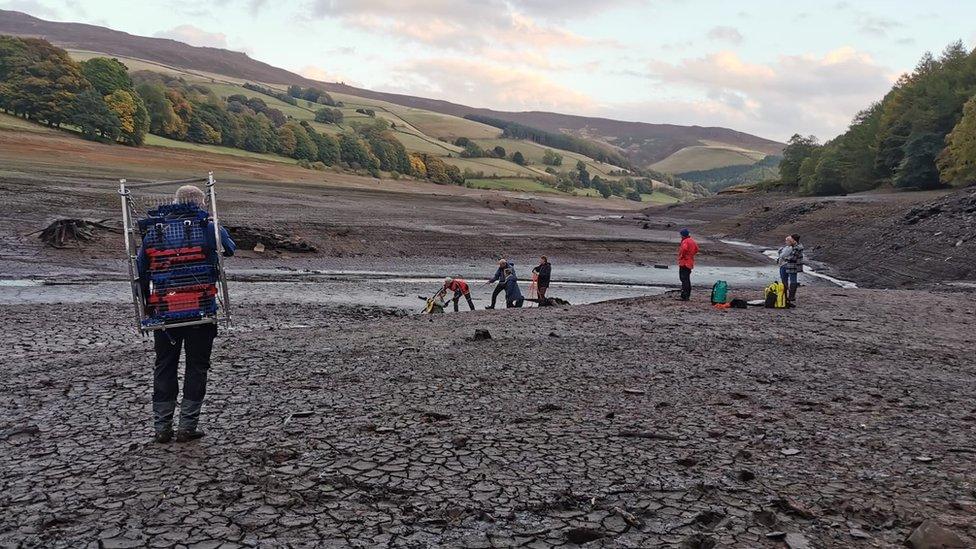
<point x="133" y="240"/>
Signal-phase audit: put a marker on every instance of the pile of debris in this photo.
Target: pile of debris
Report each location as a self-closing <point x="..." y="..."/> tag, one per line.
<point x="261" y="240"/>
<point x="962" y="205"/>
<point x="64" y="231"/>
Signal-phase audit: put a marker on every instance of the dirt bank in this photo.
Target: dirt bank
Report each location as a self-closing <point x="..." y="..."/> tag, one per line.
<point x="635" y="424"/>
<point x="878" y="240"/>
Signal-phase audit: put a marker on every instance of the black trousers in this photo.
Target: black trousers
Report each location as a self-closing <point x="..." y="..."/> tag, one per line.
<point x="684" y="273"/>
<point x="198" y="342"/>
<point x="499" y="288"/>
<point x="457" y="297"/>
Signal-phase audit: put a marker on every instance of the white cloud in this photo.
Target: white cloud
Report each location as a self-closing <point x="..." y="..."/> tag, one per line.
<point x="725" y="34"/>
<point x="806" y="93"/>
<point x="480" y="83"/>
<point x="195" y="36"/>
<point x="318" y="73"/>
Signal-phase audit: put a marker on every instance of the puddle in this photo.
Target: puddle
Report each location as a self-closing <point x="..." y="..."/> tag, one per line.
<point x="594" y="217"/>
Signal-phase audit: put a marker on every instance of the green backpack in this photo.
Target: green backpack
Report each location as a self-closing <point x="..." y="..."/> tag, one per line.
<point x="720" y="292"/>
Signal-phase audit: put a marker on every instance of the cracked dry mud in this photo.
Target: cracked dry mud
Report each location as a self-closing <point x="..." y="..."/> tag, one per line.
<point x="639" y="423"/>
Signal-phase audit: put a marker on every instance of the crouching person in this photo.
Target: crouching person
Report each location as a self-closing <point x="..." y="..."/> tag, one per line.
<point x="196" y="341"/>
<point x="460" y="288"/>
<point x="513" y="295"/>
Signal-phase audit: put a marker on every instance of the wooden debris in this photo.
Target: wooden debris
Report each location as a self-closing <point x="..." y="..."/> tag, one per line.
<point x="63" y="231"/>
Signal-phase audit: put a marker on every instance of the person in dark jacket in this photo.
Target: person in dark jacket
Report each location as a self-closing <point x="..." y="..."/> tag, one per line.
<point x="791" y="267"/>
<point x="543" y="271"/>
<point x="499" y="279"/>
<point x="513" y="295"/>
<point x="197" y="341"/>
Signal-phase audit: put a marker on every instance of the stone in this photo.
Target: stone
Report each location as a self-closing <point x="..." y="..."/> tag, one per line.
<point x="481" y="334"/>
<point x="797" y="541"/>
<point x="932" y="535"/>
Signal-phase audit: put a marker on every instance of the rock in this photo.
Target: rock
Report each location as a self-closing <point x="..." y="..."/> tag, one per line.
<point x="796" y="508"/>
<point x="931" y="535"/>
<point x="746" y="475"/>
<point x="259" y="248"/>
<point x="789" y="451"/>
<point x="797" y="541"/>
<point x="776" y="535"/>
<point x="857" y="533"/>
<point x="482" y="335"/>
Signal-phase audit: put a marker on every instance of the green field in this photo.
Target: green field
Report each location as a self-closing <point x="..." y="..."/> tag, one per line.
<point x="510" y="184"/>
<point x="533" y="154"/>
<point x="492" y="166"/>
<point x="157" y="141"/>
<point x="11" y="122"/>
<point x="658" y="198"/>
<point x="706" y="157"/>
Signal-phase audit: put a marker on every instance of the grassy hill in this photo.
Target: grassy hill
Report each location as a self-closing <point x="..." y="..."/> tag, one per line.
<point x="644" y="144"/>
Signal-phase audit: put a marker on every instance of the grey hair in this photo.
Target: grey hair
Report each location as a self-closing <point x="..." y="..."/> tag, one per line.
<point x="189" y="194"/>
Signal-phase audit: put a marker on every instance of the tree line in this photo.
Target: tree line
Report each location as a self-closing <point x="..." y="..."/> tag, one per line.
<point x="921" y="135"/>
<point x="100" y="98"/>
<point x="555" y="140"/>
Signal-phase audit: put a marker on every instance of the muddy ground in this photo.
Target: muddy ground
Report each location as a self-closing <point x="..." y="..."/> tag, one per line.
<point x="641" y="423"/>
<point x="635" y="423"/>
<point x="881" y="240"/>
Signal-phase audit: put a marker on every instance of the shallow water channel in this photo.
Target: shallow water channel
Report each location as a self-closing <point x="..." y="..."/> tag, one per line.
<point x="577" y="284"/>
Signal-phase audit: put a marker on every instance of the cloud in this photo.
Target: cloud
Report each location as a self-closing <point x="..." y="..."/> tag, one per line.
<point x="313" y="72"/>
<point x="31" y="7"/>
<point x="470" y="25"/>
<point x="725" y="34"/>
<point x="873" y="25"/>
<point x="195" y="36"/>
<point x="486" y="84"/>
<point x="808" y="93"/>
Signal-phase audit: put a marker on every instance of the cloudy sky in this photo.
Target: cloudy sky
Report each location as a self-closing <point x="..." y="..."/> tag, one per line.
<point x="766" y="67"/>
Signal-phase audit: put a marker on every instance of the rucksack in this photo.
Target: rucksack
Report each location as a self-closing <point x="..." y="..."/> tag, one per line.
<point x="720" y="292"/>
<point x="182" y="279"/>
<point x="775" y="295"/>
<point x="739" y="304"/>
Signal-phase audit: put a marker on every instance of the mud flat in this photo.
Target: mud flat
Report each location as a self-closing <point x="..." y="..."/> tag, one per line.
<point x="635" y="423"/>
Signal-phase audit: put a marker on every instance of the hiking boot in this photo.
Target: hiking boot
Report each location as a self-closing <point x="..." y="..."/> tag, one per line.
<point x="186" y="435"/>
<point x="163" y="420"/>
<point x="164" y="436"/>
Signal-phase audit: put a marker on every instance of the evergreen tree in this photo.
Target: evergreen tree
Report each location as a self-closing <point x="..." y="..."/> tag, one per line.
<point x="92" y="115"/>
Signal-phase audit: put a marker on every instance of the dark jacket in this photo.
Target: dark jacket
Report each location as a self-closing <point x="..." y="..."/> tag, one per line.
<point x="512" y="291"/>
<point x="500" y="273"/>
<point x="544" y="271"/>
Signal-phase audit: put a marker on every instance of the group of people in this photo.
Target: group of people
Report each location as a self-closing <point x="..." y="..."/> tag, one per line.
<point x="197" y="340"/>
<point x="505" y="280"/>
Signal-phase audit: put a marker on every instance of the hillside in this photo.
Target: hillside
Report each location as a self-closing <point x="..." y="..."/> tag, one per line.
<point x="643" y="143"/>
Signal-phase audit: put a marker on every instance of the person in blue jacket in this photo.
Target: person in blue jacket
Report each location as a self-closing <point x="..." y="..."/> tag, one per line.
<point x="196" y="340"/>
<point x="513" y="295"/>
<point x="499" y="278"/>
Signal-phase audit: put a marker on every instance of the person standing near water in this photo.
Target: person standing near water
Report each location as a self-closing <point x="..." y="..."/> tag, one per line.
<point x="499" y="277"/>
<point x="460" y="288"/>
<point x="686" y="262"/>
<point x="513" y="295"/>
<point x="791" y="265"/>
<point x="543" y="271"/>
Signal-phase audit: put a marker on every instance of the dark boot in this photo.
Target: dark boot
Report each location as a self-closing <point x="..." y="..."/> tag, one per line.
<point x="791" y="295"/>
<point x="189" y="417"/>
<point x="163" y="420"/>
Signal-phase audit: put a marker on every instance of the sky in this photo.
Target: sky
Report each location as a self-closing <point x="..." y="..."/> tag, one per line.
<point x="771" y="68"/>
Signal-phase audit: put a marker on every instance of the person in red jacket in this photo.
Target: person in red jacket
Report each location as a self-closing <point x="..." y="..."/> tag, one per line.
<point x="459" y="287"/>
<point x="686" y="262"/>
